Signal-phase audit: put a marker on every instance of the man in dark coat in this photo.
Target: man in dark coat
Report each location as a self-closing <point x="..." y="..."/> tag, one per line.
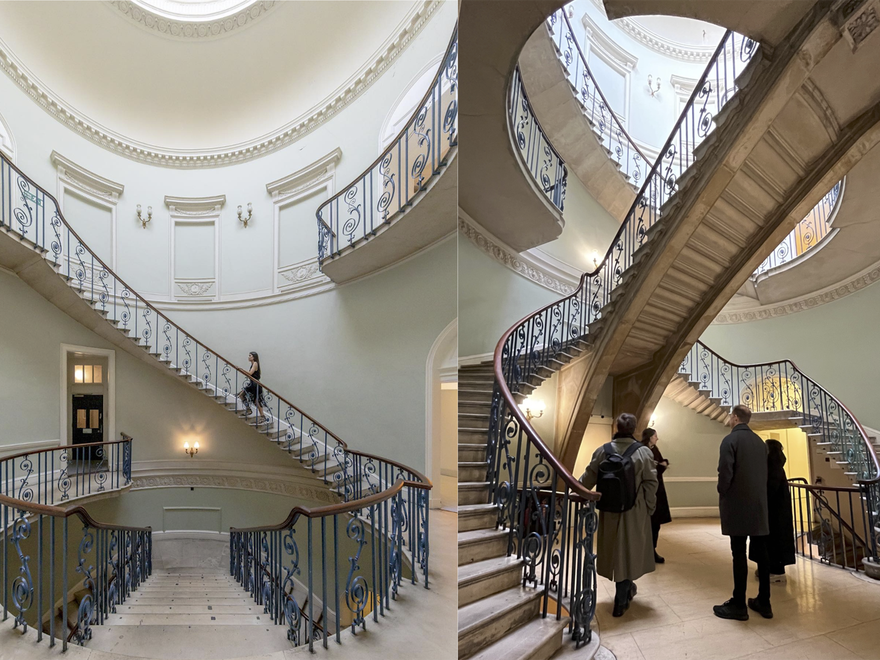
<point x="742" y="491"/>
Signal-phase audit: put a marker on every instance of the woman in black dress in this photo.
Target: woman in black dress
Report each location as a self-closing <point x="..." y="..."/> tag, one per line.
<point x="252" y="392"/>
<point x="661" y="514"/>
<point x="781" y="540"/>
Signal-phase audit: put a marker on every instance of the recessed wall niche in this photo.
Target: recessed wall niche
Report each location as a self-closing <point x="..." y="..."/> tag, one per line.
<point x="195" y="246"/>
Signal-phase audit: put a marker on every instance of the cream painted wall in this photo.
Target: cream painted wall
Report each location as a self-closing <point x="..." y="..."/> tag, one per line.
<point x="835" y="344"/>
<point x="144" y="257"/>
<point x="449" y="448"/>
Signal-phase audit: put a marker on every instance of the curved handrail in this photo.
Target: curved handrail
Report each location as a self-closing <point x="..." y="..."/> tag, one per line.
<point x="85" y="445"/>
<point x="787" y="392"/>
<point x="90" y="275"/>
<point x="382" y="175"/>
<point x="581" y="78"/>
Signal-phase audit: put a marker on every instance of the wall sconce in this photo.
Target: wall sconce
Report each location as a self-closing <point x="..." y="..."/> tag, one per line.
<point x="652" y="422"/>
<point x="653" y="85"/>
<point x="141" y="217"/>
<point x="595" y="258"/>
<point x="250" y="212"/>
<point x="191" y="451"/>
<point x="533" y="408"/>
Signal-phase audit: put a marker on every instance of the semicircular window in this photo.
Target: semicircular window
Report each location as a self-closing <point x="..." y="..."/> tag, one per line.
<point x="808" y="234"/>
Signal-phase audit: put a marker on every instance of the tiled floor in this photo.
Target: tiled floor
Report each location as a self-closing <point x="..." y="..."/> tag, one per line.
<point x="822" y="613"/>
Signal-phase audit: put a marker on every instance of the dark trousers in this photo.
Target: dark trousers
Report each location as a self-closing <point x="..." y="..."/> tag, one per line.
<point x="758" y="547"/>
<point x="655" y="532"/>
<point x="621" y="597"/>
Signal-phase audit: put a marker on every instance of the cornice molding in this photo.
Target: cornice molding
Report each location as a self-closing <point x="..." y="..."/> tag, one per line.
<point x="305" y="178"/>
<point x="829" y="294"/>
<point x="199" y="207"/>
<point x="222" y="156"/>
<point x="521" y="263"/>
<point x="193" y="28"/>
<point x="609" y="50"/>
<point x="79" y="177"/>
<point x="663" y="46"/>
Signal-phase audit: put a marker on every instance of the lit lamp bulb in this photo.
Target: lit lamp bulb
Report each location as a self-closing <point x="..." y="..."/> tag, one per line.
<point x="653" y="421"/>
<point x="533" y="408"/>
<point x="191" y="451"/>
<point x="595" y="258"/>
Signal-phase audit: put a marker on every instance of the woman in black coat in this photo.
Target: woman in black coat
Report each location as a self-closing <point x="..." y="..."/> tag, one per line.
<point x="781" y="540"/>
<point x="661" y="514"/>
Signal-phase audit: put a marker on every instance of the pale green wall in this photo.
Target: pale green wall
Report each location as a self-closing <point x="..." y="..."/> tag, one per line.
<point x="491" y="298"/>
<point x="835" y="344"/>
<point x="353" y="357"/>
<point x="588" y="227"/>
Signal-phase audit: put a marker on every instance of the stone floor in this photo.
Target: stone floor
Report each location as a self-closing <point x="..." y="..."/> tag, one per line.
<point x="822" y="613"/>
<point x="420" y="621"/>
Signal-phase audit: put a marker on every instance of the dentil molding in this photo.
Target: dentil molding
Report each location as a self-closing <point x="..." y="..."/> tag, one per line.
<point x="229" y="154"/>
<point x="191" y="30"/>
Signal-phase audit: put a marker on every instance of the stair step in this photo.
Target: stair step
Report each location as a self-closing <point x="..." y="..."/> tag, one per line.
<point x="481" y="544"/>
<point x="485" y="578"/>
<point x="259" y="619"/>
<point x="538" y="639"/>
<point x="476" y="516"/>
<point x="486" y="621"/>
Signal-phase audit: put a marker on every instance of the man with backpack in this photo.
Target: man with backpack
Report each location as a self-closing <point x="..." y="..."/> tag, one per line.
<point x="623" y="472"/>
<point x="742" y="503"/>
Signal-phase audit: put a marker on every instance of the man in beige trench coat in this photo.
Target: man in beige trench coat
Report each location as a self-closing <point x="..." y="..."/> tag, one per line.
<point x="625" y="546"/>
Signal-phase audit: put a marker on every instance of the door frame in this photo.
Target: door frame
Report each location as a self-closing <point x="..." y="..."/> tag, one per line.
<point x="109" y="401"/>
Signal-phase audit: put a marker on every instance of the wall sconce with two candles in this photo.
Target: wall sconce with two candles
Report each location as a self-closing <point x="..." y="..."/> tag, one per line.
<point x="140" y="216"/>
<point x="191" y="451"/>
<point x="245" y="219"/>
<point x="533" y="408"/>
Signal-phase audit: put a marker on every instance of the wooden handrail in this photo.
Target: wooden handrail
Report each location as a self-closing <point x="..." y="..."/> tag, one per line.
<point x="125" y="438"/>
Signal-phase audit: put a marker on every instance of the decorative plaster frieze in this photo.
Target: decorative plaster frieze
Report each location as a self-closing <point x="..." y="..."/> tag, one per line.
<point x="857" y="19"/>
<point x="829" y="294"/>
<point x="224" y="155"/>
<point x="195" y="206"/>
<point x="520" y="263"/>
<point x="311" y="176"/>
<point x="78" y="177"/>
<point x="190" y="29"/>
<point x="196" y="289"/>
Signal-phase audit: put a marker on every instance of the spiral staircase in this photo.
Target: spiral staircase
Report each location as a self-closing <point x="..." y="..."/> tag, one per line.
<point x="756" y="147"/>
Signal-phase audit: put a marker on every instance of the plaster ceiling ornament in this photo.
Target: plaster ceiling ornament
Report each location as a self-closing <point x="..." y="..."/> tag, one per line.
<point x="241" y="152"/>
<point x="857" y="20"/>
<point x="188" y="22"/>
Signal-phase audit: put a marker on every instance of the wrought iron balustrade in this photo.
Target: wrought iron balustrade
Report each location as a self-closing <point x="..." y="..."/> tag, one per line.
<point x="808" y="233"/>
<point x="329" y="568"/>
<point x="598" y="111"/>
<point x="60" y="474"/>
<point x="539" y="157"/>
<point x="831" y="524"/>
<point x="44" y="545"/>
<point x="404" y="169"/>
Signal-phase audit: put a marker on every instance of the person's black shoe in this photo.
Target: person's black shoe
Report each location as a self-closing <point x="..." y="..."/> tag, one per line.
<point x="633" y="591"/>
<point x="730" y="611"/>
<point x="761" y="608"/>
<point x="620" y="609"/>
<point x="658" y="559"/>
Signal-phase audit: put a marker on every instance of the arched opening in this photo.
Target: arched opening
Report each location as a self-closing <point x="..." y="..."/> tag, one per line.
<point x="441" y="418"/>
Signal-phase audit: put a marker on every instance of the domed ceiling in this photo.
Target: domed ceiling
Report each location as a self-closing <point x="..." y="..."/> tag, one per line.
<point x="258" y="67"/>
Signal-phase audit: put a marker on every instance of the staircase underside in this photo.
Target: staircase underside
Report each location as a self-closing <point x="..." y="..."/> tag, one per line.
<point x="776" y="150"/>
<point x="562" y="116"/>
<point x="494" y="187"/>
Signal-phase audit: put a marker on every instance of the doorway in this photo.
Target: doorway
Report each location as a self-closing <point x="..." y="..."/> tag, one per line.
<point x="87" y="398"/>
<point x="87" y="423"/>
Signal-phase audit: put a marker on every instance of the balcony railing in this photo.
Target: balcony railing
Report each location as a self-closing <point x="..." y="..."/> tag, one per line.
<point x="44" y="546"/>
<point x="538" y="155"/>
<point x="603" y="120"/>
<point x="322" y="570"/>
<point x="808" y="233"/>
<point x="406" y="167"/>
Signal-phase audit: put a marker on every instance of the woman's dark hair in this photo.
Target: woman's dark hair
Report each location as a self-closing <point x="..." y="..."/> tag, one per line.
<point x="647" y="434"/>
<point x="626" y="424"/>
<point x="775" y="453"/>
<point x="256" y="356"/>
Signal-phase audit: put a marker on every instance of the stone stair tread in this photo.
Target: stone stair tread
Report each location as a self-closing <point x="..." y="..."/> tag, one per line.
<point x="521" y="644"/>
<point x="474" y="616"/>
<point x="478" y="570"/>
<point x="214" y="610"/>
<point x="479" y="535"/>
<point x="188" y="620"/>
<point x="465" y="509"/>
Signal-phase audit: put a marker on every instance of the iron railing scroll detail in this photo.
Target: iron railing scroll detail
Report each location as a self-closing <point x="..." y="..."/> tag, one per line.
<point x="45" y="544"/>
<point x="326" y="569"/>
<point x="404" y="169"/>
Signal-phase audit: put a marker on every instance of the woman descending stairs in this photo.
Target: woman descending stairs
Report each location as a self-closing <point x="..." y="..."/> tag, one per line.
<point x="497" y="616"/>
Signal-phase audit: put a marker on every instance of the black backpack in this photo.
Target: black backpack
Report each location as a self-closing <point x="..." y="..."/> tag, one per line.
<point x="617" y="479"/>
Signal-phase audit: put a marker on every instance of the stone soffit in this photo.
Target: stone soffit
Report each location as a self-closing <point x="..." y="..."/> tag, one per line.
<point x="562" y="279"/>
<point x="220" y="156"/>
